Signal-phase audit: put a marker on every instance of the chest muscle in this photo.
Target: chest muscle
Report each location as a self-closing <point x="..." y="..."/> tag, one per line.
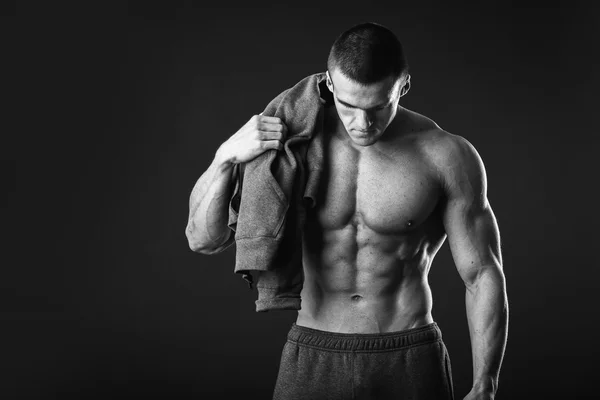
<point x="389" y="195"/>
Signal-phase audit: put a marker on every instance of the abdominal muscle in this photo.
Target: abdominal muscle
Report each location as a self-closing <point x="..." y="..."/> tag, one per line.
<point x="359" y="281"/>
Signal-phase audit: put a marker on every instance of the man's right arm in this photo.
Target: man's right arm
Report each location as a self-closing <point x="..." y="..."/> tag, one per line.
<point x="207" y="229"/>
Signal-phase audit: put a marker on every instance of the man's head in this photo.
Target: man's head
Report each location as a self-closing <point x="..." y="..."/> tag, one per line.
<point x="367" y="73"/>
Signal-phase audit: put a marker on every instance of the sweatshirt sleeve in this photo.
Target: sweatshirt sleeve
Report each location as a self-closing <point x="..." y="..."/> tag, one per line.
<point x="238" y="171"/>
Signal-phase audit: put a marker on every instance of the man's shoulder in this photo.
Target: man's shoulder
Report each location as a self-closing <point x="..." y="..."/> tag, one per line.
<point x="430" y="137"/>
<point x="306" y="93"/>
<point x="418" y="123"/>
<point x="451" y="155"/>
<point x="446" y="148"/>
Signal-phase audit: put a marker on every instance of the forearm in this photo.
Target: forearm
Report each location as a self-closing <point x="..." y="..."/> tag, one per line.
<point x="487" y="314"/>
<point x="207" y="226"/>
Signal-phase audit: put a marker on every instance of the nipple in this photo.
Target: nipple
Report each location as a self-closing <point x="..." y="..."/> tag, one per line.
<point x="409" y="223"/>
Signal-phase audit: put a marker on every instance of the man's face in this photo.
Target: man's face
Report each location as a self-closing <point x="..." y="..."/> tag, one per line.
<point x="365" y="111"/>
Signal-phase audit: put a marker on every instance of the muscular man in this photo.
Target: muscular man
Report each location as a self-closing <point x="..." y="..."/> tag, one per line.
<point x="395" y="185"/>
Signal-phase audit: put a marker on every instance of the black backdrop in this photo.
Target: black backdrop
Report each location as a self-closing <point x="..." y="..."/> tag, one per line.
<point x="124" y="107"/>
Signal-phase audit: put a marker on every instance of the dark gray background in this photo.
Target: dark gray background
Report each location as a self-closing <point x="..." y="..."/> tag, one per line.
<point x="124" y="108"/>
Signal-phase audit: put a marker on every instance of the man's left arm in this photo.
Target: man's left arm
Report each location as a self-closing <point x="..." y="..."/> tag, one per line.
<point x="474" y="241"/>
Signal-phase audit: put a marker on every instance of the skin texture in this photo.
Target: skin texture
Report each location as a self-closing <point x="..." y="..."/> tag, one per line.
<point x="389" y="199"/>
<point x="394" y="188"/>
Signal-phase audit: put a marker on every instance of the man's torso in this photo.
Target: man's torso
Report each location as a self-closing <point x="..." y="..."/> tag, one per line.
<point x="369" y="242"/>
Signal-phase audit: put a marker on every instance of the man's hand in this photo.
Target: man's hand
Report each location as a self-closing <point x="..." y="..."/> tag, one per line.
<point x="475" y="394"/>
<point x="259" y="134"/>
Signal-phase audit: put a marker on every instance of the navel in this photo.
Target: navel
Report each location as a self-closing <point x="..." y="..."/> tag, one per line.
<point x="409" y="223"/>
<point x="356" y="297"/>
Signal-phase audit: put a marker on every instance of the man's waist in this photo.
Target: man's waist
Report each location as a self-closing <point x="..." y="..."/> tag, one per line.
<point x="355" y="312"/>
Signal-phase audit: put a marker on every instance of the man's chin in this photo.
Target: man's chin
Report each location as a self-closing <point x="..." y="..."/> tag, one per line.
<point x="366" y="142"/>
<point x="362" y="139"/>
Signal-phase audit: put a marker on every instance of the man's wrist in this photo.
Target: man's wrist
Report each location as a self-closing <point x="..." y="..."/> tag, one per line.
<point x="222" y="161"/>
<point x="486" y="385"/>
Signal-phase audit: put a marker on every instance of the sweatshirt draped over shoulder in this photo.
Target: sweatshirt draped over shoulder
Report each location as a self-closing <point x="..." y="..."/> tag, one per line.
<point x="272" y="194"/>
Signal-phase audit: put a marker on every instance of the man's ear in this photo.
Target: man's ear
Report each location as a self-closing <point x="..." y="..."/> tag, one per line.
<point x="406" y="86"/>
<point x="329" y="82"/>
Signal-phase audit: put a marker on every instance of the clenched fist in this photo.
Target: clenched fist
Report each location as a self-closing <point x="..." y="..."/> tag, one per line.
<point x="258" y="135"/>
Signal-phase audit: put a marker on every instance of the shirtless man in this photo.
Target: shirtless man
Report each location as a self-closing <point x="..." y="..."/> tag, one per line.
<point x="395" y="185"/>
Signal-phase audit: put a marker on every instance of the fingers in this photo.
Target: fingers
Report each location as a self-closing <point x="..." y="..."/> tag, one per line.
<point x="272" y="127"/>
<point x="272" y="131"/>
<point x="263" y="123"/>
<point x="271" y="135"/>
<point x="265" y="118"/>
<point x="272" y="144"/>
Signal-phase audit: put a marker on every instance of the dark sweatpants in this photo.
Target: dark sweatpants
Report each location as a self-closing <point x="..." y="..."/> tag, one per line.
<point x="411" y="364"/>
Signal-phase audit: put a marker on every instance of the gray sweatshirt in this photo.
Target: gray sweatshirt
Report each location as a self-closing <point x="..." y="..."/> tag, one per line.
<point x="272" y="194"/>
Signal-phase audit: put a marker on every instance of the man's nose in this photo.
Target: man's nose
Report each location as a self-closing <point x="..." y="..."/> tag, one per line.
<point x="365" y="120"/>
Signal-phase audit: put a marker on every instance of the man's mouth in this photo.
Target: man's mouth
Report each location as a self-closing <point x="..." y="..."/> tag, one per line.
<point x="367" y="132"/>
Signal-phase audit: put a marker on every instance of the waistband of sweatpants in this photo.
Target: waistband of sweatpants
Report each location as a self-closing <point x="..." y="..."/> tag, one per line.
<point x="364" y="341"/>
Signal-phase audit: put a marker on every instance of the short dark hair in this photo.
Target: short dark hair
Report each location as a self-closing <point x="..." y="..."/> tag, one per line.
<point x="368" y="53"/>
